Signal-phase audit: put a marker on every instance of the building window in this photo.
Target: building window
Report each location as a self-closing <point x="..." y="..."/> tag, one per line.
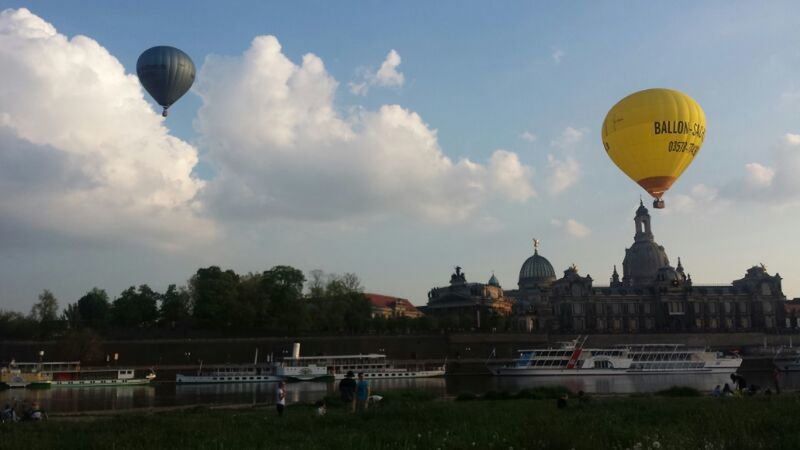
<point x="698" y="323"/>
<point x="712" y="308"/>
<point x="713" y="324"/>
<point x="742" y="307"/>
<point x="617" y="323"/>
<point x="601" y="325"/>
<point x="646" y="308"/>
<point x="765" y="289"/>
<point x="767" y="307"/>
<point x="631" y="308"/>
<point x="649" y="323"/>
<point x="728" y="307"/>
<point x="578" y="323"/>
<point x="769" y="322"/>
<point x="577" y="308"/>
<point x="697" y="308"/>
<point x="676" y="308"/>
<point x="728" y="323"/>
<point x="615" y="308"/>
<point x="633" y="324"/>
<point x="745" y="322"/>
<point x="599" y="310"/>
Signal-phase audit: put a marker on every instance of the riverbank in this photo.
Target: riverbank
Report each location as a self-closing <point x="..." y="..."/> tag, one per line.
<point x="417" y="421"/>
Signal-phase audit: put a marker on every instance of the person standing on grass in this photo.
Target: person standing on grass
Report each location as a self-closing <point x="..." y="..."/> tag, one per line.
<point x="280" y="398"/>
<point x="347" y="390"/>
<point x="776" y="378"/>
<point x="362" y="392"/>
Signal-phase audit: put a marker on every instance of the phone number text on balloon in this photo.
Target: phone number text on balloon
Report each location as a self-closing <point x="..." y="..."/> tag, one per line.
<point x="683" y="147"/>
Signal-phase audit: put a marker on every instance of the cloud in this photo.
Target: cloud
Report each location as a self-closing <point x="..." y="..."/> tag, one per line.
<point x="759" y="176"/>
<point x="528" y="136"/>
<point x="569" y="138"/>
<point x="700" y="198"/>
<point x="777" y="183"/>
<point x="282" y="151"/>
<point x="82" y="154"/>
<point x="562" y="173"/>
<point x="557" y="55"/>
<point x="386" y="76"/>
<point x="572" y="228"/>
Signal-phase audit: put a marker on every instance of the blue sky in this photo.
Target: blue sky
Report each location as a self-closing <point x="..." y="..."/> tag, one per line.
<point x="477" y="77"/>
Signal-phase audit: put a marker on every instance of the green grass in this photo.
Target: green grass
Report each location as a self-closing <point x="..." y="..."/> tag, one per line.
<point x="406" y="422"/>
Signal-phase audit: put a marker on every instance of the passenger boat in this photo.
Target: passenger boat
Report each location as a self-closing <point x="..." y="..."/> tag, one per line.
<point x="19" y="375"/>
<point x="373" y="366"/>
<point x="230" y="373"/>
<point x="572" y="358"/>
<point x="295" y="368"/>
<point x="71" y="374"/>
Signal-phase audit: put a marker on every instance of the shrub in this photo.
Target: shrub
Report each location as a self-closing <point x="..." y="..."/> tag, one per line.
<point x="679" y="391"/>
<point x="466" y="396"/>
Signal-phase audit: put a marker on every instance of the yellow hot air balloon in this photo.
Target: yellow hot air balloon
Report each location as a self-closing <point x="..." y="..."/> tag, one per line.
<point x="652" y="136"/>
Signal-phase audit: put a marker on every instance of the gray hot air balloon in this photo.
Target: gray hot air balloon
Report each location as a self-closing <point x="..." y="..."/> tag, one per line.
<point x="166" y="73"/>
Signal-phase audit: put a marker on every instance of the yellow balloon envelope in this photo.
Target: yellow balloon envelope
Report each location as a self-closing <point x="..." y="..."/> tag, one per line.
<point x="653" y="135"/>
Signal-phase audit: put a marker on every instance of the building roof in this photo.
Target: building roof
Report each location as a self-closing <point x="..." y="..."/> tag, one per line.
<point x="537" y="269"/>
<point x="386" y="301"/>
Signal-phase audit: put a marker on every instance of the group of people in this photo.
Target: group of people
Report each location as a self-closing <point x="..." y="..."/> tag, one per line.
<point x="22" y="413"/>
<point x="740" y="387"/>
<point x="356" y="395"/>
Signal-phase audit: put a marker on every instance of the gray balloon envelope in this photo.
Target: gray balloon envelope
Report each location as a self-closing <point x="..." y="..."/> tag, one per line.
<point x="166" y="73"/>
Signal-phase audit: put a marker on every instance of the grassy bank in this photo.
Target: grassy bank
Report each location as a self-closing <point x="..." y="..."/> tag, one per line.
<point x="408" y="421"/>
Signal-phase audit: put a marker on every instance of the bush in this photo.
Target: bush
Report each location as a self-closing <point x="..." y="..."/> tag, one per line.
<point x="543" y="393"/>
<point x="495" y="395"/>
<point x="466" y="396"/>
<point x="679" y="391"/>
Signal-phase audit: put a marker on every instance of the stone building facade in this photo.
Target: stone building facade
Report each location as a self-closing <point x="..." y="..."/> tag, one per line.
<point x="651" y="296"/>
<point x="474" y="301"/>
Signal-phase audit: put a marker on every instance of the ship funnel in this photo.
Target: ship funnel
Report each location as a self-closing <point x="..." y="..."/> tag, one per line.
<point x="296" y="350"/>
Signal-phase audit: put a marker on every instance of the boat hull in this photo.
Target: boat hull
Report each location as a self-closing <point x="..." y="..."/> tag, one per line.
<point x="99" y="383"/>
<point x="398" y="375"/>
<point x="514" y="372"/>
<point x="224" y="379"/>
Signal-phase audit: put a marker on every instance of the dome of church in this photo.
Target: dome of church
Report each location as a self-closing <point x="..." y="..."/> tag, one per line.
<point x="642" y="262"/>
<point x="493" y="281"/>
<point x="668" y="273"/>
<point x="536" y="270"/>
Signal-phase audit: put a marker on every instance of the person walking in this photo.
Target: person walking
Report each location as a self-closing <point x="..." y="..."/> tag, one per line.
<point x="362" y="393"/>
<point x="776" y="379"/>
<point x="347" y="390"/>
<point x="280" y="398"/>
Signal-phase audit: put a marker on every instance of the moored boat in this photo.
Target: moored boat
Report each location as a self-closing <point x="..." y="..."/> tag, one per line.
<point x="19" y="375"/>
<point x="372" y="365"/>
<point x="572" y="358"/>
<point x="230" y="373"/>
<point x="71" y="374"/>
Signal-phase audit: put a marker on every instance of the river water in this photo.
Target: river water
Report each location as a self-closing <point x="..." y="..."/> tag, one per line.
<point x="62" y="399"/>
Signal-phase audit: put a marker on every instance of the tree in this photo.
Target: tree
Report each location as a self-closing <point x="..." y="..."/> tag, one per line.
<point x="351" y="282"/>
<point x="214" y="294"/>
<point x="72" y="316"/>
<point x="46" y="309"/>
<point x="316" y="283"/>
<point x="283" y="285"/>
<point x="93" y="309"/>
<point x="135" y="308"/>
<point x="83" y="345"/>
<point x="176" y="305"/>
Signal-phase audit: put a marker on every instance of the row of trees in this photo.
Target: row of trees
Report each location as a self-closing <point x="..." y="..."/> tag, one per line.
<point x="214" y="299"/>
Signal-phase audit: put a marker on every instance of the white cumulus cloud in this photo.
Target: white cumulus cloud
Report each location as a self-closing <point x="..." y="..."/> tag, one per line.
<point x="569" y="138"/>
<point x="387" y="75"/>
<point x="528" y="136"/>
<point x="759" y="176"/>
<point x="82" y="154"/>
<point x="558" y="55"/>
<point x="281" y="149"/>
<point x="562" y="173"/>
<point x="572" y="228"/>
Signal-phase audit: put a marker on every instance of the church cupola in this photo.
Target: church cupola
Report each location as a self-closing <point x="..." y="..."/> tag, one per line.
<point x="642" y="221"/>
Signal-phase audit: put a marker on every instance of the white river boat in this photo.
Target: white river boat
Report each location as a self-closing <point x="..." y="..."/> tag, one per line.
<point x="573" y="359"/>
